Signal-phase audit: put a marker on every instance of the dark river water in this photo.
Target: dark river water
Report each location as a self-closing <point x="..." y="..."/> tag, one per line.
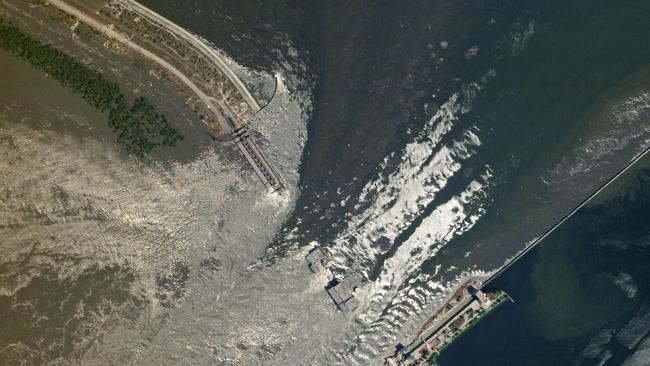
<point x="581" y="297"/>
<point x="444" y="135"/>
<point x="440" y="138"/>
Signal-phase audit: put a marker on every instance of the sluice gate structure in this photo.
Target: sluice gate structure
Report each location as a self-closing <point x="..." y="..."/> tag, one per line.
<point x="258" y="161"/>
<point x="428" y="344"/>
<point x="242" y="138"/>
<point x="190" y="62"/>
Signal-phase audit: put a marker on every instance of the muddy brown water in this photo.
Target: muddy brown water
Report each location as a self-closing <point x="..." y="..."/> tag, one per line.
<point x="135" y="79"/>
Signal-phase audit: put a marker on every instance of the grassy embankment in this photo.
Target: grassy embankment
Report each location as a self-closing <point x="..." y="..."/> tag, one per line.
<point x="138" y="127"/>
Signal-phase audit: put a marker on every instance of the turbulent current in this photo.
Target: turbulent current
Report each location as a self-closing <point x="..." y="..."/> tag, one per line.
<point x="420" y="144"/>
<point x="99" y="251"/>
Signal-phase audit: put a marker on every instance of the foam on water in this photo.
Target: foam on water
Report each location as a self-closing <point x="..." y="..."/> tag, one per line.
<point x="641" y="356"/>
<point x="211" y="217"/>
<point x="396" y="200"/>
<point x="79" y="207"/>
<point x="391" y="202"/>
<point x="625" y="126"/>
<point x="395" y="298"/>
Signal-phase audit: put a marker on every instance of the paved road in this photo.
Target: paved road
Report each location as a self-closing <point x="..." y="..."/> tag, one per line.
<point x="253" y="154"/>
<point x="108" y="31"/>
<point x="200" y="45"/>
<point x="436" y="326"/>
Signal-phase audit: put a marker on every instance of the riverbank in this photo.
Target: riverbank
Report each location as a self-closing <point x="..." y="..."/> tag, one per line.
<point x="458" y="313"/>
<point x="76" y="44"/>
<point x="502" y="298"/>
<point x="582" y="295"/>
<point x="213" y="90"/>
<point x="140" y="128"/>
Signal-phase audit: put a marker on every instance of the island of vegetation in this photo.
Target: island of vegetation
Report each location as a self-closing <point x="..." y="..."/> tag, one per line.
<point x="139" y="127"/>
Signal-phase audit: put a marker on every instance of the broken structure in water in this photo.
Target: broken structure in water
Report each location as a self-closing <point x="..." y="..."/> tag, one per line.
<point x="316" y="260"/>
<point x="336" y="289"/>
<point x="341" y="296"/>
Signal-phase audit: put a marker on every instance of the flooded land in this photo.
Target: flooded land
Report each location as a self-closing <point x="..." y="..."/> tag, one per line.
<point x="135" y="77"/>
<point x="412" y="145"/>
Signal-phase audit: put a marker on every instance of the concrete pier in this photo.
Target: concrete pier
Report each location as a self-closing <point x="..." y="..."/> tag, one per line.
<point x="336" y="289"/>
<point x="260" y="164"/>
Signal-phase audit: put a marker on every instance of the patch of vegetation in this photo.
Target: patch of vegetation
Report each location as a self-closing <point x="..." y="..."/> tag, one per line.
<point x="139" y="127"/>
<point x="173" y="287"/>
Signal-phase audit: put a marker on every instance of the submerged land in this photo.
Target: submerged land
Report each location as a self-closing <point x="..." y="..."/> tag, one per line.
<point x="210" y="87"/>
<point x="139" y="127"/>
<point x="150" y="42"/>
<point x="219" y="99"/>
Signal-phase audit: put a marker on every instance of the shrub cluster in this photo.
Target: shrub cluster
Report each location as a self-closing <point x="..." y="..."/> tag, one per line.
<point x="139" y="127"/>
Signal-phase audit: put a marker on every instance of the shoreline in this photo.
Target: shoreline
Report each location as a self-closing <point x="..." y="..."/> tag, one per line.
<point x="109" y="32"/>
<point x="214" y="92"/>
<point x="468" y="304"/>
<point x="202" y="45"/>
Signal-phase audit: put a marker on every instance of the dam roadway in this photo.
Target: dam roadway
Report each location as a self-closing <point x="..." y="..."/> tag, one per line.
<point x="246" y="145"/>
<point x="565" y="218"/>
<point x="198" y="43"/>
<point x="409" y="355"/>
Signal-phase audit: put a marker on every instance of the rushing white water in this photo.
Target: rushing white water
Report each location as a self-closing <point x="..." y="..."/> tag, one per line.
<point x="183" y="238"/>
<point x="77" y="208"/>
<point x="395" y="201"/>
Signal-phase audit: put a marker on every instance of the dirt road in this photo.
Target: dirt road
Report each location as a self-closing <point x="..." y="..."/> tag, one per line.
<point x="206" y="50"/>
<point x="107" y="30"/>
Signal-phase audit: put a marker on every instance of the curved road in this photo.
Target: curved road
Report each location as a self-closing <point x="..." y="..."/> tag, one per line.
<point x="255" y="157"/>
<point x="108" y="31"/>
<point x="207" y="51"/>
